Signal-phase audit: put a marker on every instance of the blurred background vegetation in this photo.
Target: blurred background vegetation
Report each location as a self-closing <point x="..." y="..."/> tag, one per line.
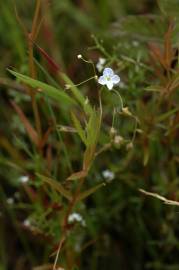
<point x="123" y="229"/>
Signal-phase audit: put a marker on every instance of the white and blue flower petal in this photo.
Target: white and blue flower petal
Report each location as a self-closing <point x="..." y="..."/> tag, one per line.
<point x="115" y="79"/>
<point x="108" y="72"/>
<point x="100" y="64"/>
<point x="102" y="80"/>
<point x="109" y="85"/>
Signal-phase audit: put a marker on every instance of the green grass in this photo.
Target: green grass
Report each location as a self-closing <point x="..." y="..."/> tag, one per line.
<point x="62" y="130"/>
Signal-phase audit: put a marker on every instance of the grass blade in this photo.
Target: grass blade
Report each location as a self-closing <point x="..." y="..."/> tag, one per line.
<point x="57" y="94"/>
<point x="79" y="128"/>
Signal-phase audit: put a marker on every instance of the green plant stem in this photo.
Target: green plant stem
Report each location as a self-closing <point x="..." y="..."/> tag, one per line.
<point x="87" y="80"/>
<point x="74" y="199"/>
<point x="120" y="98"/>
<point x="31" y="39"/>
<point x="65" y="222"/>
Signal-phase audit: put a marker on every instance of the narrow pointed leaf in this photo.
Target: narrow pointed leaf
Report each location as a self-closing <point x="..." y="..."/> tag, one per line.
<point x="49" y="59"/>
<point x="88" y="157"/>
<point x="79" y="128"/>
<point x="154" y="88"/>
<point x="146" y="156"/>
<point x="93" y="128"/>
<point x="30" y="130"/>
<point x="56" y="185"/>
<point x="166" y="115"/>
<point x="57" y="94"/>
<point x="77" y="175"/>
<point x="89" y="192"/>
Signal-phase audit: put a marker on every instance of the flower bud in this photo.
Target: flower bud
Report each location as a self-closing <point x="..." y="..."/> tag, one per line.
<point x="67" y="86"/>
<point x="129" y="146"/>
<point x="112" y="132"/>
<point x="118" y="140"/>
<point x="126" y="111"/>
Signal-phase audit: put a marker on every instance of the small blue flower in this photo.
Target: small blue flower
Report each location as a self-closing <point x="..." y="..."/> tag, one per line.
<point x="109" y="78"/>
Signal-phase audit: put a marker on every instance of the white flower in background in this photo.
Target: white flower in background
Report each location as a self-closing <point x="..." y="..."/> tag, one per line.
<point x="10" y="200"/>
<point x="135" y="43"/>
<point x="76" y="217"/>
<point x="100" y="64"/>
<point x="109" y="78"/>
<point x="24" y="179"/>
<point x="108" y="175"/>
<point x="27" y="223"/>
<point x="118" y="139"/>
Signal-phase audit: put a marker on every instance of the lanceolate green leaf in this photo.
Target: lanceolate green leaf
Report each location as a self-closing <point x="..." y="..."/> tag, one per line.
<point x="154" y="88"/>
<point x="78" y="175"/>
<point x="56" y="185"/>
<point x="88" y="192"/>
<point x="167" y="114"/>
<point x="79" y="128"/>
<point x="57" y="94"/>
<point x="93" y="128"/>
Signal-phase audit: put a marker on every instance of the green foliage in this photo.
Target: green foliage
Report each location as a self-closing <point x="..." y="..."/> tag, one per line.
<point x="169" y="8"/>
<point x="56" y="186"/>
<point x="77" y="95"/>
<point x="141" y="27"/>
<point x="56" y="94"/>
<point x="86" y="171"/>
<point x="79" y="129"/>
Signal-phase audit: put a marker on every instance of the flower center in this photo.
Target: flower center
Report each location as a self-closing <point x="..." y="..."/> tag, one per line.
<point x="108" y="78"/>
